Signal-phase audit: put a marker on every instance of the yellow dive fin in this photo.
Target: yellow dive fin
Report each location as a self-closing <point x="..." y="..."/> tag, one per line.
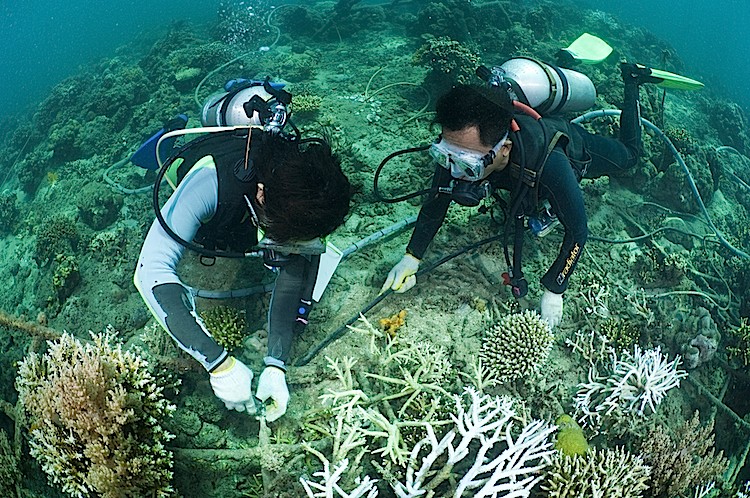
<point x="672" y="80"/>
<point x="588" y="49"/>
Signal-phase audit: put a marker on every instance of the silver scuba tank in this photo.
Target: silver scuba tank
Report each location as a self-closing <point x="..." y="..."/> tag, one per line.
<point x="227" y="108"/>
<point x="547" y="88"/>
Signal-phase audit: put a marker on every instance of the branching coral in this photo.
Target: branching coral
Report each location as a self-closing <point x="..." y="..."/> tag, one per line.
<point x="606" y="473"/>
<point x="94" y="413"/>
<point x="636" y="384"/>
<point x="517" y="345"/>
<point x="682" y="461"/>
<point x="226" y="325"/>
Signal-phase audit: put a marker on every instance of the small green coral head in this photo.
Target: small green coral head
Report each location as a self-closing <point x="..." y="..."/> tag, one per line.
<point x="570" y="438"/>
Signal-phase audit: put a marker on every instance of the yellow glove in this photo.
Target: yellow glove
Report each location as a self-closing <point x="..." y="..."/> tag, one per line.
<point x="402" y="277"/>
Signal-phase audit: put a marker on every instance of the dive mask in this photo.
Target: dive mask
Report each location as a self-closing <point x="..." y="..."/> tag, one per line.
<point x="464" y="164"/>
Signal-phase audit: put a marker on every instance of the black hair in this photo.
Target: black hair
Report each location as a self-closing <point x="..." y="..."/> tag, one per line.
<point x="306" y="193"/>
<point x="471" y="105"/>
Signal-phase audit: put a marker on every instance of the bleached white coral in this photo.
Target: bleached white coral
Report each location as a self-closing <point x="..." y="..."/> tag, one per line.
<point x="636" y="384"/>
<point x="499" y="462"/>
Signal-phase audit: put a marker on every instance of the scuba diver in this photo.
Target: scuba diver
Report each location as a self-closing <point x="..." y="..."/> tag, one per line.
<point x="244" y="175"/>
<point x="490" y="140"/>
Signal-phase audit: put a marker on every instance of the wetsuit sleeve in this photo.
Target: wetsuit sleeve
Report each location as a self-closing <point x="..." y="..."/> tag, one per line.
<point x="559" y="185"/>
<point x="291" y="304"/>
<point x="431" y="215"/>
<point x="170" y="301"/>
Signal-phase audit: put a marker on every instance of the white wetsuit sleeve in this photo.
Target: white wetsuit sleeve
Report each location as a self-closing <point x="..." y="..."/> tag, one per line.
<point x="194" y="202"/>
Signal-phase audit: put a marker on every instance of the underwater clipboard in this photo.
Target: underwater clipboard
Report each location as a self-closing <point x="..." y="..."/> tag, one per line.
<point x="329" y="261"/>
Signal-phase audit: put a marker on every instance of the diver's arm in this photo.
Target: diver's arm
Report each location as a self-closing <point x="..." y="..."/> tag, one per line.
<point x="156" y="279"/>
<point x="290" y="306"/>
<point x="431" y="215"/>
<point x="559" y="185"/>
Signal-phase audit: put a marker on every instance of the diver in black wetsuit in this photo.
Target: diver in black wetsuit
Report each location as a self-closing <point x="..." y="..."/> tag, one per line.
<point x="475" y="150"/>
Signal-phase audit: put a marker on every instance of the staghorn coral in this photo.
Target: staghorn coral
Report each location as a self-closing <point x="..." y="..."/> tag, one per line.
<point x="635" y="385"/>
<point x="684" y="460"/>
<point x="94" y="412"/>
<point x="606" y="473"/>
<point x="226" y="325"/>
<point x="307" y="103"/>
<point x="517" y="345"/>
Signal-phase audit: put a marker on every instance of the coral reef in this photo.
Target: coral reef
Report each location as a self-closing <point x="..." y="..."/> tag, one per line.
<point x="697" y="336"/>
<point x="634" y="385"/>
<point x="99" y="206"/>
<point x="684" y="460"/>
<point x="450" y="62"/>
<point x="739" y="338"/>
<point x="605" y="473"/>
<point x="65" y="276"/>
<point x="226" y="325"/>
<point x="94" y="412"/>
<point x="10" y="472"/>
<point x="8" y="212"/>
<point x="517" y="345"/>
<point x="55" y="235"/>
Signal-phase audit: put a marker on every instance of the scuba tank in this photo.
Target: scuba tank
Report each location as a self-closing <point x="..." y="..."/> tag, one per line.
<point x="546" y="88"/>
<point x="247" y="102"/>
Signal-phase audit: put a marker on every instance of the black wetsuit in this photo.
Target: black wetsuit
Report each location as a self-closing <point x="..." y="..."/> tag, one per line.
<point x="582" y="155"/>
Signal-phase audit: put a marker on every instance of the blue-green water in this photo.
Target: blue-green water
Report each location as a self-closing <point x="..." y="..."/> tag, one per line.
<point x="46" y="41"/>
<point x="711" y="37"/>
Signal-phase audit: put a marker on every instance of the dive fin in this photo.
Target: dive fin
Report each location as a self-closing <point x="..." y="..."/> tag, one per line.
<point x="145" y="156"/>
<point x="587" y="48"/>
<point x="676" y="81"/>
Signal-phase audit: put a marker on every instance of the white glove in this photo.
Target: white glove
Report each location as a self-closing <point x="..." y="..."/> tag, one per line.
<point x="402" y="277"/>
<point x="552" y="308"/>
<point x="232" y="385"/>
<point x="272" y="384"/>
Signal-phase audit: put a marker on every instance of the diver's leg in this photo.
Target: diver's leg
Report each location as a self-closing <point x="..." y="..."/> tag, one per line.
<point x="612" y="156"/>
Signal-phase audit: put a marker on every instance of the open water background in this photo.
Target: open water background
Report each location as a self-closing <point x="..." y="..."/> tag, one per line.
<point x="44" y="41"/>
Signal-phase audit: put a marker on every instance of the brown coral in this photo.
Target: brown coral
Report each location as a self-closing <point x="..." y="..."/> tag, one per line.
<point x="682" y="461"/>
<point x="94" y="413"/>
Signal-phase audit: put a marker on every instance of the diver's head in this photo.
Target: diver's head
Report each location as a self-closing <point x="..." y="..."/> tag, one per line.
<point x="228" y="108"/>
<point x="305" y="194"/>
<point x="475" y="120"/>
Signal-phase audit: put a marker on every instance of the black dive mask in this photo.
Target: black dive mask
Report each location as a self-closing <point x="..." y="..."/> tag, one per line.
<point x="468" y="194"/>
